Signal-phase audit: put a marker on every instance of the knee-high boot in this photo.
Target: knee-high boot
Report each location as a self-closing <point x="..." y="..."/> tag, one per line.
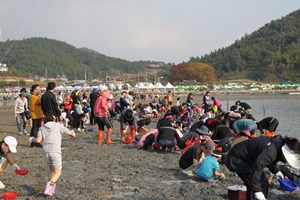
<point x="100" y="137"/>
<point x="132" y="131"/>
<point x="108" y="136"/>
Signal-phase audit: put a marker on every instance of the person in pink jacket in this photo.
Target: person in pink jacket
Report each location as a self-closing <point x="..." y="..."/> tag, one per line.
<point x="101" y="116"/>
<point x="217" y="103"/>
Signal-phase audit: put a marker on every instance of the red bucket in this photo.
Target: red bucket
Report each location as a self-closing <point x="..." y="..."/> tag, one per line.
<point x="9" y="195"/>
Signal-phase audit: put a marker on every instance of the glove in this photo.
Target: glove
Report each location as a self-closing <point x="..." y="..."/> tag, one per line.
<point x="30" y="140"/>
<point x="15" y="166"/>
<point x="222" y="177"/>
<point x="72" y="134"/>
<point x="279" y="175"/>
<point x="2" y="186"/>
<point x="259" y="196"/>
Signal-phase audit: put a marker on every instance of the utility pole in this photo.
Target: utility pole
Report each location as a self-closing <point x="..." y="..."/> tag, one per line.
<point x="84" y="74"/>
<point x="155" y="78"/>
<point x="138" y="76"/>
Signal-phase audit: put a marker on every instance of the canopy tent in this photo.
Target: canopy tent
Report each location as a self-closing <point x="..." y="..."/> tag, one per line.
<point x="60" y="88"/>
<point x="275" y="85"/>
<point x="142" y="86"/>
<point x="78" y="88"/>
<point x="202" y="86"/>
<point x="190" y="87"/>
<point x="254" y="85"/>
<point x="179" y="87"/>
<point x="150" y="86"/>
<point x="169" y="86"/>
<point x="285" y="85"/>
<point x="69" y="87"/>
<point x="296" y="84"/>
<point x="159" y="86"/>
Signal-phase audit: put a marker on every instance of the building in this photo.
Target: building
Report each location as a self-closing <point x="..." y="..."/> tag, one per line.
<point x="3" y="68"/>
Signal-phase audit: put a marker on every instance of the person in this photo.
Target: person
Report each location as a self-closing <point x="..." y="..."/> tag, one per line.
<point x="51" y="135"/>
<point x="101" y="117"/>
<point x="190" y="159"/>
<point x="49" y="103"/>
<point x="21" y="104"/>
<point x="36" y="112"/>
<point x="93" y="98"/>
<point x="245" y="124"/>
<point x="220" y="132"/>
<point x="209" y="168"/>
<point x="7" y="146"/>
<point x="129" y="98"/>
<point x="206" y="101"/>
<point x="246" y="107"/>
<point x="127" y="117"/>
<point x="249" y="158"/>
<point x="269" y="124"/>
<point x="68" y="102"/>
<point x="185" y="122"/>
<point x="169" y="100"/>
<point x="189" y="99"/>
<point x="167" y="133"/>
<point x="123" y="103"/>
<point x="178" y="102"/>
<point x="192" y="135"/>
<point x="217" y="103"/>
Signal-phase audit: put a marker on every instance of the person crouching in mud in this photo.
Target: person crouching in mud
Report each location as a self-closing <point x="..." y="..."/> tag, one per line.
<point x="7" y="146"/>
<point x="50" y="134"/>
<point x="249" y="158"/>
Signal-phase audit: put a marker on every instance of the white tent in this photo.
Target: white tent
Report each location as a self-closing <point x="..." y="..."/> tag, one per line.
<point x="159" y="86"/>
<point x="69" y="88"/>
<point x="60" y="88"/>
<point x="151" y="86"/>
<point x="169" y="86"/>
<point x="142" y="86"/>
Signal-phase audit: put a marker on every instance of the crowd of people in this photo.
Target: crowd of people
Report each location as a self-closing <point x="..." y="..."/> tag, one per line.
<point x="204" y="133"/>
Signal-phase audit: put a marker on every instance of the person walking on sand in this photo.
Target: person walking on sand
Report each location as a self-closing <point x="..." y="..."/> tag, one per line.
<point x="93" y="98"/>
<point x="36" y="112"/>
<point x="7" y="146"/>
<point x="51" y="135"/>
<point x="49" y="102"/>
<point x="21" y="104"/>
<point x="101" y="116"/>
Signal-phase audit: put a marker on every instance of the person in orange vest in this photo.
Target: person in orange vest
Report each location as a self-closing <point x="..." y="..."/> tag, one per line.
<point x="170" y="100"/>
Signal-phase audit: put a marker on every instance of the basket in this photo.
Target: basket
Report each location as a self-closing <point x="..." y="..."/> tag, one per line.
<point x="237" y="192"/>
<point x="287" y="185"/>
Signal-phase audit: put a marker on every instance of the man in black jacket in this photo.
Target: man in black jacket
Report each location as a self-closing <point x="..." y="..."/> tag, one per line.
<point x="93" y="98"/>
<point x="49" y="102"/>
<point x="249" y="158"/>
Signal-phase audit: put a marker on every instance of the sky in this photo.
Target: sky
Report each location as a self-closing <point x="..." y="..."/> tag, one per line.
<point x="158" y="30"/>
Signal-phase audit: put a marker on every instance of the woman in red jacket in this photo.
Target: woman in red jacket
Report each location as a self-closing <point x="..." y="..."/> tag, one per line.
<point x="101" y="117"/>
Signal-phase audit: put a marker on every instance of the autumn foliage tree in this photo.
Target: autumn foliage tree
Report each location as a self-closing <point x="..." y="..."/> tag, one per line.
<point x="198" y="71"/>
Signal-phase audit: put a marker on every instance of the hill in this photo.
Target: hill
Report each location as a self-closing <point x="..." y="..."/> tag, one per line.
<point x="31" y="57"/>
<point x="272" y="53"/>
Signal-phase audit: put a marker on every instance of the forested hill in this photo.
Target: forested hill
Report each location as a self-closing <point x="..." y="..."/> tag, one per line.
<point x="272" y="53"/>
<point x="35" y="55"/>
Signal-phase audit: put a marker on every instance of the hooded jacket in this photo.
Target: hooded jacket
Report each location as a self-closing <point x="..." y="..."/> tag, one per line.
<point x="253" y="155"/>
<point x="101" y="105"/>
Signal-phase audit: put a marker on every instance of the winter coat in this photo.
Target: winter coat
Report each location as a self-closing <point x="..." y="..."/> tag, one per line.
<point x="101" y="105"/>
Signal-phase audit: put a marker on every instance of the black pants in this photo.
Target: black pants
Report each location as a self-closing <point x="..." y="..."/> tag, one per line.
<point x="246" y="177"/>
<point x="102" y="122"/>
<point x="148" y="141"/>
<point x="36" y="124"/>
<point x="273" y="125"/>
<point x="92" y="116"/>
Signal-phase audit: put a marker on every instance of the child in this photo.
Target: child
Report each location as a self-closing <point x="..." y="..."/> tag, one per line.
<point x="51" y="133"/>
<point x="209" y="167"/>
<point x="178" y="102"/>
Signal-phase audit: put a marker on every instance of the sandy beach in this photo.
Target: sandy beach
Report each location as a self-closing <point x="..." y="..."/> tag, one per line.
<point x="116" y="171"/>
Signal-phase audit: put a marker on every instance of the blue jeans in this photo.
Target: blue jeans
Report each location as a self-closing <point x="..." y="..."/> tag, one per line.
<point x="167" y="143"/>
<point x="21" y="116"/>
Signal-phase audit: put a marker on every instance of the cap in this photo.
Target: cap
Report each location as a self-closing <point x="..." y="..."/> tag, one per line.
<point x="291" y="157"/>
<point x="11" y="143"/>
<point x="246" y="132"/>
<point x="23" y="94"/>
<point x="203" y="130"/>
<point x="95" y="89"/>
<point x="210" y="146"/>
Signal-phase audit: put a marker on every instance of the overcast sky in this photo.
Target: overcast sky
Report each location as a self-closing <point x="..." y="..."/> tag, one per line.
<point x="160" y="30"/>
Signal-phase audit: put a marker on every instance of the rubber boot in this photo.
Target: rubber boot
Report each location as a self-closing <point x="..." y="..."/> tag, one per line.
<point x="100" y="136"/>
<point x="122" y="134"/>
<point x="269" y="134"/>
<point x="132" y="131"/>
<point x="108" y="136"/>
<point x="50" y="188"/>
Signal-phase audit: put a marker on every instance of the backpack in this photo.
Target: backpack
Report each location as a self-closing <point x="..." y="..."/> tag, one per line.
<point x="226" y="143"/>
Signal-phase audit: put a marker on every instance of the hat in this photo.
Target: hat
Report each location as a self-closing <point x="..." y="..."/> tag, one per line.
<point x="210" y="146"/>
<point x="217" y="153"/>
<point x="23" y="94"/>
<point x="95" y="89"/>
<point x="202" y="130"/>
<point x="246" y="132"/>
<point x="11" y="143"/>
<point x="291" y="157"/>
<point x="128" y="115"/>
